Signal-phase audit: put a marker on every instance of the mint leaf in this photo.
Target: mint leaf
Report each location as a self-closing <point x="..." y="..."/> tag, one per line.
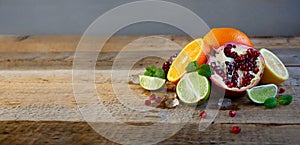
<point x="151" y="68"/>
<point x="148" y="73"/>
<point x="192" y="66"/>
<point x="152" y="71"/>
<point x="285" y="99"/>
<point x="270" y="103"/>
<point x="160" y="73"/>
<point x="205" y="70"/>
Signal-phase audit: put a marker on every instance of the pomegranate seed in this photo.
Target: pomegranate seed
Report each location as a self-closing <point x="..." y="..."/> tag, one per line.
<point x="203" y="114"/>
<point x="158" y="100"/>
<point x="235" y="129"/>
<point x="248" y="68"/>
<point x="229" y="46"/>
<point x="152" y="97"/>
<point x="148" y="102"/>
<point x="213" y="64"/>
<point x="232" y="113"/>
<point x="255" y="70"/>
<point x="220" y="72"/>
<point x="227" y="50"/>
<point x="233" y="46"/>
<point x="230" y="85"/>
<point x="222" y="75"/>
<point x="281" y="90"/>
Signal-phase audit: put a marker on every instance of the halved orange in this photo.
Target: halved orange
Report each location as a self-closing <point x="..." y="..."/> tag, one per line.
<point x="217" y="37"/>
<point x="194" y="51"/>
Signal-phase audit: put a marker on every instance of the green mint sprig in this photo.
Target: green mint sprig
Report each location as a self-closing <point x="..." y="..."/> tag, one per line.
<point x="204" y="69"/>
<point x="153" y="71"/>
<point x="282" y="100"/>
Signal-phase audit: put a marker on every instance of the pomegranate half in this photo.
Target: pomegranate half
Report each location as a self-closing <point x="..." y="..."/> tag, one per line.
<point x="237" y="67"/>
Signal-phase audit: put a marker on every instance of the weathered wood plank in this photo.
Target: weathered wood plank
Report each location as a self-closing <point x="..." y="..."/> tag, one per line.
<point x="26" y="132"/>
<point x="56" y="43"/>
<point x="64" y="60"/>
<point x="36" y="85"/>
<point x="48" y="95"/>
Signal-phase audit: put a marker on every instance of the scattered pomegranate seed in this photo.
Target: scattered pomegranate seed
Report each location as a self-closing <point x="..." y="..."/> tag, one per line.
<point x="158" y="100"/>
<point x="148" y="102"/>
<point x="152" y="97"/>
<point x="203" y="114"/>
<point x="281" y="90"/>
<point x="235" y="129"/>
<point x="232" y="113"/>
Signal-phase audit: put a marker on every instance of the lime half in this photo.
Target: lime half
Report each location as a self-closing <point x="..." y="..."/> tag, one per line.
<point x="151" y="83"/>
<point x="193" y="88"/>
<point x="259" y="94"/>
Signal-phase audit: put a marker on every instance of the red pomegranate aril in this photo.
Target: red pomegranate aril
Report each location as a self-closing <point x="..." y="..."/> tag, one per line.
<point x="220" y="72"/>
<point x="230" y="85"/>
<point x="232" y="113"/>
<point x="255" y="70"/>
<point x="229" y="46"/>
<point x="281" y="90"/>
<point x="148" y="102"/>
<point x="235" y="129"/>
<point x="166" y="65"/>
<point x="222" y="75"/>
<point x="152" y="97"/>
<point x="213" y="64"/>
<point x="203" y="114"/>
<point x="158" y="100"/>
<point x="234" y="55"/>
<point x="227" y="82"/>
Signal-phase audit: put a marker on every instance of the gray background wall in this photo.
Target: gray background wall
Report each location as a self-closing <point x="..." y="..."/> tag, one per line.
<point x="255" y="17"/>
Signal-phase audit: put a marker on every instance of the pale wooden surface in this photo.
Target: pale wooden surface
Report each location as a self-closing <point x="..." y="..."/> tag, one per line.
<point x="36" y="95"/>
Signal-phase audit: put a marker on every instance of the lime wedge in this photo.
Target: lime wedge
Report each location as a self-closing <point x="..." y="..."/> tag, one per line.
<point x="151" y="83"/>
<point x="259" y="94"/>
<point x="193" y="88"/>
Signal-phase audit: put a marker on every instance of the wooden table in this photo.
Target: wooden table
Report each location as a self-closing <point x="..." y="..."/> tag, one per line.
<point x="38" y="105"/>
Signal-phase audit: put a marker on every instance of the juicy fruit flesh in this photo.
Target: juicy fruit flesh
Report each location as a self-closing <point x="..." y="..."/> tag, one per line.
<point x="192" y="88"/>
<point x="188" y="54"/>
<point x="151" y="83"/>
<point x="260" y="93"/>
<point x="237" y="66"/>
<point x="275" y="64"/>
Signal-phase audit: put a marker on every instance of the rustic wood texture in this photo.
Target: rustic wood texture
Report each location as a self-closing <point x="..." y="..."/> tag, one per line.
<point x="38" y="105"/>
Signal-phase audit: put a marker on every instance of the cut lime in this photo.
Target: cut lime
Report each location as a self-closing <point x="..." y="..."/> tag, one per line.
<point x="193" y="88"/>
<point x="259" y="94"/>
<point x="151" y="83"/>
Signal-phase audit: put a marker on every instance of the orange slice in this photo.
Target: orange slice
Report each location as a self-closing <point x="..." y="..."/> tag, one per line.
<point x="194" y="51"/>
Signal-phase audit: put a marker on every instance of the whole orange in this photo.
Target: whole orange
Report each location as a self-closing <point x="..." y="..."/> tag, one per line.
<point x="217" y="37"/>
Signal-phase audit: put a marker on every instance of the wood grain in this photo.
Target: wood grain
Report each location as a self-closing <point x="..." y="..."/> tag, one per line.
<point x="49" y="132"/>
<point x="38" y="105"/>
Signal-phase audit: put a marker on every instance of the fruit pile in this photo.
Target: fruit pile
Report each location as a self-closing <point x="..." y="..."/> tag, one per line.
<point x="227" y="58"/>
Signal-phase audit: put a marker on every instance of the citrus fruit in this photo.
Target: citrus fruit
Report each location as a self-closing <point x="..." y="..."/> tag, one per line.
<point x="275" y="72"/>
<point x="259" y="94"/>
<point x="194" y="51"/>
<point x="193" y="88"/>
<point x="217" y="37"/>
<point x="151" y="83"/>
